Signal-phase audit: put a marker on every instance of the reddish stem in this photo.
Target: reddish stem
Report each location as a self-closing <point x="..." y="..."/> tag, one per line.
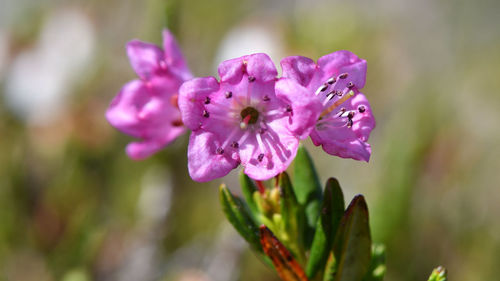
<point x="261" y="186"/>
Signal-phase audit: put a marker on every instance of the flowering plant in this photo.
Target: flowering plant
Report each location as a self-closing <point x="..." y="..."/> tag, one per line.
<point x="253" y="118"/>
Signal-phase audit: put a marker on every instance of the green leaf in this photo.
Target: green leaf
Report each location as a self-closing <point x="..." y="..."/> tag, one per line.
<point x="307" y="188"/>
<point x="291" y="215"/>
<point x="248" y="188"/>
<point x="438" y="274"/>
<point x="288" y="203"/>
<point x="326" y="227"/>
<point x="352" y="246"/>
<point x="330" y="268"/>
<point x="238" y="215"/>
<point x="377" y="268"/>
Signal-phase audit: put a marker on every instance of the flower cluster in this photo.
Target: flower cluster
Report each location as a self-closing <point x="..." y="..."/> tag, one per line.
<point x="147" y="108"/>
<point x="250" y="116"/>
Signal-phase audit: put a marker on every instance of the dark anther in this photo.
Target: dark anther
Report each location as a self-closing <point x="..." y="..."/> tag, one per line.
<point x="343" y="76"/>
<point x="251" y="79"/>
<point x="220" y="150"/>
<point x="339" y="93"/>
<point x="260" y="157"/>
<point x="206" y="114"/>
<point x="331" y="80"/>
<point x="350" y="115"/>
<point x="207" y="100"/>
<point x="324" y="87"/>
<point x="361" y="109"/>
<point x="262" y="130"/>
<point x="229" y="94"/>
<point x="235" y="144"/>
<point x="349" y="123"/>
<point x="350" y="85"/>
<point x="266" y="98"/>
<point x="288" y="108"/>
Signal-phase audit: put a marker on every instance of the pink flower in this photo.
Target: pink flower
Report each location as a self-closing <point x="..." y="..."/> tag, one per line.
<point x="242" y="120"/>
<point x="147" y="108"/>
<point x="344" y="124"/>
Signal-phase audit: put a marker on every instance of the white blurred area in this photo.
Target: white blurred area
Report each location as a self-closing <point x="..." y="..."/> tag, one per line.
<point x="39" y="80"/>
<point x="251" y="37"/>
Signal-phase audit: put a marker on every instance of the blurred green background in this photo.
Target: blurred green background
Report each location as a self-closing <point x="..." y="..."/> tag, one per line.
<point x="73" y="207"/>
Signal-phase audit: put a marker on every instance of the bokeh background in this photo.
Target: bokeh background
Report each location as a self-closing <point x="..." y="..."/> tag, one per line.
<point x="73" y="207"/>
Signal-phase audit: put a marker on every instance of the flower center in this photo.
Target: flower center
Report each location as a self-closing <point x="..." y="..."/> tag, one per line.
<point x="249" y="115"/>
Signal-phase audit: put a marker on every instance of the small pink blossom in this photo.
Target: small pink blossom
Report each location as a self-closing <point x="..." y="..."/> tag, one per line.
<point x="344" y="123"/>
<point x="147" y="108"/>
<point x="242" y="120"/>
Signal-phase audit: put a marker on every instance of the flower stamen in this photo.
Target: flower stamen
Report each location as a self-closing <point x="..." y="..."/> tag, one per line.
<point x="338" y="102"/>
<point x="245" y="121"/>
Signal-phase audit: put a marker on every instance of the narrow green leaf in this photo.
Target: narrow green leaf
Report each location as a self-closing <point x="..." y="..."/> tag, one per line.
<point x="438" y="274"/>
<point x="248" y="188"/>
<point x="292" y="216"/>
<point x="288" y="203"/>
<point x="237" y="214"/>
<point x="377" y="268"/>
<point x="352" y="246"/>
<point x="307" y="188"/>
<point x="327" y="224"/>
<point x="330" y="268"/>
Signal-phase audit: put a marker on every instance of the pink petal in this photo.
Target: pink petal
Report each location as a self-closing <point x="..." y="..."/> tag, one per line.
<point x="123" y="110"/>
<point x="144" y="58"/>
<point x="173" y="56"/>
<point x="305" y="105"/>
<point x="279" y="149"/>
<point x="261" y="67"/>
<point x="191" y="96"/>
<point x="340" y="62"/>
<point x="363" y="123"/>
<point x="355" y="149"/>
<point x="144" y="110"/>
<point x="146" y="148"/>
<point x="231" y="71"/>
<point x="349" y="142"/>
<point x="301" y="69"/>
<point x="204" y="163"/>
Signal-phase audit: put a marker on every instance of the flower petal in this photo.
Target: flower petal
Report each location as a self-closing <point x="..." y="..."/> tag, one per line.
<point x="363" y="123"/>
<point x="144" y="110"/>
<point x="231" y="71"/>
<point x="261" y="67"/>
<point x="344" y="141"/>
<point x="343" y="61"/>
<point x="191" y="96"/>
<point x="356" y="149"/>
<point x="173" y="56"/>
<point x="143" y="149"/>
<point x="275" y="153"/>
<point x="204" y="163"/>
<point x="123" y="110"/>
<point x="144" y="58"/>
<point x="299" y="68"/>
<point x="305" y="105"/>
